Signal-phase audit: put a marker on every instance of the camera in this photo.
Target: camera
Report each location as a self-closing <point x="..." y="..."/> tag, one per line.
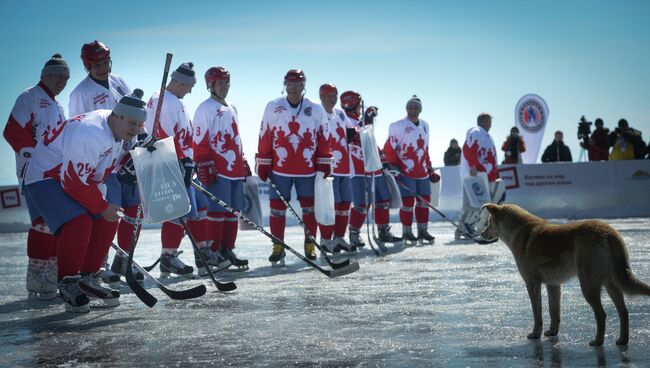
<point x="584" y="128"/>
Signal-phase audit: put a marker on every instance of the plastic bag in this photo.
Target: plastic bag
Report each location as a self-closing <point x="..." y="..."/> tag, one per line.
<point x="324" y="199"/>
<point x="371" y="160"/>
<point x="393" y="188"/>
<point x="435" y="191"/>
<point x="252" y="205"/>
<point x="477" y="190"/>
<point x="160" y="182"/>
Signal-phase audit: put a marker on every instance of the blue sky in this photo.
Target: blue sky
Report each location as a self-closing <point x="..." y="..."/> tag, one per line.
<point x="460" y="57"/>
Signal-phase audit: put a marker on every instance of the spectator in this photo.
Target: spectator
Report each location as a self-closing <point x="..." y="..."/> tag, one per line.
<point x="632" y="137"/>
<point x="597" y="145"/>
<point x="452" y="155"/>
<point x="513" y="147"/>
<point x="557" y="151"/>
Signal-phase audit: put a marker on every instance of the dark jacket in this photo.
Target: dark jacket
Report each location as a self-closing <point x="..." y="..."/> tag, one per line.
<point x="452" y="156"/>
<point x="557" y="152"/>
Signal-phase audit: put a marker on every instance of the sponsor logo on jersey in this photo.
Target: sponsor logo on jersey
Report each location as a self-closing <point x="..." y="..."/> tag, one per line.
<point x="107" y="152"/>
<point x="279" y="109"/>
<point x="44" y="103"/>
<point x="531" y="113"/>
<point x="100" y="99"/>
<point x="308" y="111"/>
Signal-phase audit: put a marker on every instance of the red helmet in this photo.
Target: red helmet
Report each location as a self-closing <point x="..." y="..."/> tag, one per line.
<point x="327" y="88"/>
<point x="216" y="73"/>
<point x="94" y="52"/>
<point x="295" y="75"/>
<point x="350" y="100"/>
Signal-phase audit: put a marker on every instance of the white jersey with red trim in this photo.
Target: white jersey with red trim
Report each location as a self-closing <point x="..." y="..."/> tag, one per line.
<point x="337" y="124"/>
<point x="295" y="139"/>
<point x="35" y="112"/>
<point x="80" y="153"/>
<point x="89" y="95"/>
<point x="216" y="138"/>
<point x="479" y="151"/>
<point x="408" y="147"/>
<point x="174" y="122"/>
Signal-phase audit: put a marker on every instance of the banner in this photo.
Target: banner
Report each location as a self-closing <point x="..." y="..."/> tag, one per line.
<point x="531" y="116"/>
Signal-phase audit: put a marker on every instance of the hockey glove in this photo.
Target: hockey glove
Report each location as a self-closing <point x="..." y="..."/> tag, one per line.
<point x="353" y="136"/>
<point x="126" y="174"/>
<point x="392" y="169"/>
<point x="369" y="116"/>
<point x="187" y="169"/>
<point x="323" y="164"/>
<point x="264" y="166"/>
<point x="433" y="177"/>
<point x="24" y="155"/>
<point x="207" y="172"/>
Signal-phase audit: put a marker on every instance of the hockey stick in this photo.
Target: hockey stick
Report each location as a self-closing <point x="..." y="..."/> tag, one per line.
<point x="194" y="292"/>
<point x="221" y="286"/>
<point x="149" y="268"/>
<point x="147" y="298"/>
<point x="368" y="213"/>
<point x="286" y="203"/>
<point x="352" y="267"/>
<point x="477" y="239"/>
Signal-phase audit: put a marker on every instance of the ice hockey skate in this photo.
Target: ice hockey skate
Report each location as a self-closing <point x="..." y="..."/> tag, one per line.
<point x="277" y="256"/>
<point x="328" y="246"/>
<point x="355" y="240"/>
<point x="341" y="245"/>
<point x="213" y="259"/>
<point x="310" y="248"/>
<point x="107" y="297"/>
<point x="75" y="300"/>
<point x="171" y="264"/>
<point x="424" y="238"/>
<point x="41" y="279"/>
<point x="239" y="265"/>
<point x="119" y="268"/>
<point x="109" y="277"/>
<point x="385" y="236"/>
<point x="408" y="237"/>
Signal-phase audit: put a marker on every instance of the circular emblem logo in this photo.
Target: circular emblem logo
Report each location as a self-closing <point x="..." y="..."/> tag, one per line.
<point x="531" y="113"/>
<point x="308" y="111"/>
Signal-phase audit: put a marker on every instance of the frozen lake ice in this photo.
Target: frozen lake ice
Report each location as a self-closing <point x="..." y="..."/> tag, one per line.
<point x="447" y="305"/>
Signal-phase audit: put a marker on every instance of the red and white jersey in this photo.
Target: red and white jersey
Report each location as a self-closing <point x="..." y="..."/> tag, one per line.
<point x="337" y="123"/>
<point x="479" y="151"/>
<point x="80" y="153"/>
<point x="174" y="122"/>
<point x="216" y="138"/>
<point x="35" y="112"/>
<point x="89" y="95"/>
<point x="408" y="147"/>
<point x="294" y="138"/>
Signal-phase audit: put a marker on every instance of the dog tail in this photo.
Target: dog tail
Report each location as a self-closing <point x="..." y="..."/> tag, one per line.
<point x="622" y="273"/>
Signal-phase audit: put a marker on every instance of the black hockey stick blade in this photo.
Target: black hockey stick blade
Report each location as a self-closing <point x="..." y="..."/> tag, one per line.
<point x="481" y="240"/>
<point x="379" y="243"/>
<point x="221" y="286"/>
<point x="194" y="292"/>
<point x="138" y="289"/>
<point x="149" y="268"/>
<point x="336" y="272"/>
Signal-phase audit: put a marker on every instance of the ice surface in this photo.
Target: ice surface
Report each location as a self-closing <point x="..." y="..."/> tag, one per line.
<point x="446" y="305"/>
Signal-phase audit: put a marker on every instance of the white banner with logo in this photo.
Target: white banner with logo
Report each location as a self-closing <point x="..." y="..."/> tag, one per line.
<point x="531" y="116"/>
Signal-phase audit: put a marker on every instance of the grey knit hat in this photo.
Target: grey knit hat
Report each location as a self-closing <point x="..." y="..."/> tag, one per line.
<point x="414" y="100"/>
<point x="56" y="65"/>
<point x="185" y="74"/>
<point x="132" y="106"/>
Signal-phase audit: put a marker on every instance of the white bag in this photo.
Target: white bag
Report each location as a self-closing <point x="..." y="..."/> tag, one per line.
<point x="477" y="190"/>
<point x="435" y="191"/>
<point x="395" y="194"/>
<point x="252" y="205"/>
<point x="324" y="199"/>
<point x="371" y="160"/>
<point x="160" y="182"/>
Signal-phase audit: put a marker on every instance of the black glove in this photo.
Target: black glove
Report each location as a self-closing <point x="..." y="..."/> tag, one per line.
<point x="369" y="115"/>
<point x="349" y="133"/>
<point x="187" y="169"/>
<point x="126" y="174"/>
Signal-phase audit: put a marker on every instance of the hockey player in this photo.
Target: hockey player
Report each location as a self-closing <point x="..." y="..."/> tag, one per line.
<point x="221" y="167"/>
<point x="338" y="123"/>
<point x="351" y="103"/>
<point x="65" y="182"/>
<point x="479" y="155"/>
<point x="292" y="147"/>
<point x="101" y="89"/>
<point x="407" y="156"/>
<point x="175" y="121"/>
<point x="34" y="114"/>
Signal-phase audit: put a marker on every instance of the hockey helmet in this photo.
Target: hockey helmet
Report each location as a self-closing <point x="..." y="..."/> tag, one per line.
<point x="94" y="52"/>
<point x="295" y="75"/>
<point x="327" y="88"/>
<point x="350" y="100"/>
<point x="216" y="73"/>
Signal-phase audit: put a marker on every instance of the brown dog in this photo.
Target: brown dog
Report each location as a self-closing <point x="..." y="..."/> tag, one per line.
<point x="551" y="254"/>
